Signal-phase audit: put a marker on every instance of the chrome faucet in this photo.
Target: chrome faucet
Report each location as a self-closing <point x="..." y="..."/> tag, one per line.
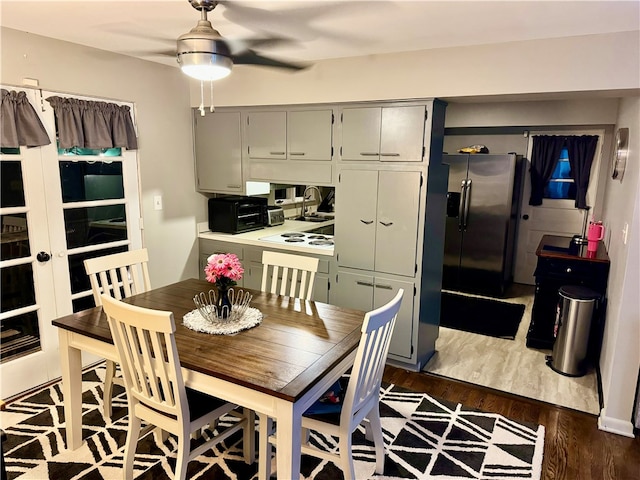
<point x="304" y="198"/>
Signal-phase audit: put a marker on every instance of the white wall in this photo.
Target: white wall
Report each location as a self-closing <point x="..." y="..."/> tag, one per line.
<point x="620" y="359"/>
<point x="161" y="97"/>
<point x="572" y="64"/>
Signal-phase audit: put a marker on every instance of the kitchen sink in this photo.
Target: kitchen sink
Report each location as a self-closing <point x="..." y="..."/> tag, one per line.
<point x="315" y="218"/>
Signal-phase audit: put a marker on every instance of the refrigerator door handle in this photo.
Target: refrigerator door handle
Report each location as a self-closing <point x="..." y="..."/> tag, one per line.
<point x="463" y="202"/>
<point x="467" y="203"/>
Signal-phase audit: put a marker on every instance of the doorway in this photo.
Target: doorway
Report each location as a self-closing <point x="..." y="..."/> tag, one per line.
<point x="58" y="208"/>
<point x="556" y="216"/>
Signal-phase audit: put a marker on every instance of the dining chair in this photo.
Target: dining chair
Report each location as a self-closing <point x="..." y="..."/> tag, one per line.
<point x="359" y="402"/>
<point x="146" y="345"/>
<point x="282" y="272"/>
<point x="119" y="275"/>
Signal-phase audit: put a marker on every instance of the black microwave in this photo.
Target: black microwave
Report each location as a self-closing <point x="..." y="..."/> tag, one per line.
<point x="236" y="214"/>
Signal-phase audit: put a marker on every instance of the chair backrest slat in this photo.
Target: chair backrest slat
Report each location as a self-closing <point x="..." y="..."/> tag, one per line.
<point x="371" y="356"/>
<point x="291" y="275"/>
<point x="119" y="275"/>
<point x="148" y="355"/>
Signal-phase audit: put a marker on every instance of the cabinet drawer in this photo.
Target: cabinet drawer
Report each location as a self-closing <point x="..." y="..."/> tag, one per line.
<point x="592" y="273"/>
<point x="209" y="247"/>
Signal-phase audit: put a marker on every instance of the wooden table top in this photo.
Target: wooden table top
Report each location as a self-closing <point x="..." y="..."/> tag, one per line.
<point x="554" y="246"/>
<point x="296" y="343"/>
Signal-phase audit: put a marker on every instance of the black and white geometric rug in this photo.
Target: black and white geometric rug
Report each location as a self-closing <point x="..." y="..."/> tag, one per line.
<point x="424" y="438"/>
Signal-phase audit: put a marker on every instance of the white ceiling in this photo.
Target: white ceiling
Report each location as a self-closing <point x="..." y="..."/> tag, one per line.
<point x="321" y="29"/>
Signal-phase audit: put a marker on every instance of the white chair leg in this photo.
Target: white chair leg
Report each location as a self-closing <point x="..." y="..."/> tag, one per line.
<point x="249" y="436"/>
<point x="131" y="444"/>
<point x="346" y="458"/>
<point x="109" y="373"/>
<point x="160" y="435"/>
<point x="264" y="453"/>
<point x="182" y="456"/>
<point x="376" y="429"/>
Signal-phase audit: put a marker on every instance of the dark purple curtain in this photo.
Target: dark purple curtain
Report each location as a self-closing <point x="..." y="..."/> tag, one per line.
<point x="581" y="152"/>
<point x="89" y="124"/>
<point x="19" y="122"/>
<point x="544" y="156"/>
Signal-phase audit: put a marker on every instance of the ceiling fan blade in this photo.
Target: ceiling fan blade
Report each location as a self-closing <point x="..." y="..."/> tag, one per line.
<point x="252" y="58"/>
<point x="240" y="45"/>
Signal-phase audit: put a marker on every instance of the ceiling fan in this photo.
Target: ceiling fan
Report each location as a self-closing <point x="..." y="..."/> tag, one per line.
<point x="205" y="55"/>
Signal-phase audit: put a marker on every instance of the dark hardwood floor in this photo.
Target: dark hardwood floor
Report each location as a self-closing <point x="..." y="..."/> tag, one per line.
<point x="574" y="448"/>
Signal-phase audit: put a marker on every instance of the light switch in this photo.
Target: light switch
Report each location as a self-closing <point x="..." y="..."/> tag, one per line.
<point x="157" y="202"/>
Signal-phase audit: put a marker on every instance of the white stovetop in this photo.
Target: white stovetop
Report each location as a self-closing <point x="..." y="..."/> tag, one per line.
<point x="254" y="237"/>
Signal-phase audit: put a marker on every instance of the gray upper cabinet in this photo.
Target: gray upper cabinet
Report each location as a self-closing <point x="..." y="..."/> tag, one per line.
<point x="218" y="150"/>
<point x="387" y="134"/>
<point x="309" y="135"/>
<point x="267" y="135"/>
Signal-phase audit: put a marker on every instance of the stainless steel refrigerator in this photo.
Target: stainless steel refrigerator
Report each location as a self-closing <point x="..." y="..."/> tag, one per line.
<point x="482" y="209"/>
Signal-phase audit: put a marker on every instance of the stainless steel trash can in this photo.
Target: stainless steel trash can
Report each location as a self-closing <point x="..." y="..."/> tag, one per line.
<point x="572" y="328"/>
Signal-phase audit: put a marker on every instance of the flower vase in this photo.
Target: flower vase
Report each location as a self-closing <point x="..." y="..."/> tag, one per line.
<point x="223" y="304"/>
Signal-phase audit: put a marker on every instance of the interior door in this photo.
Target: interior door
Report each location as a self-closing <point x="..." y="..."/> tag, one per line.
<point x="28" y="350"/>
<point x="458" y="166"/>
<point x="554" y="216"/>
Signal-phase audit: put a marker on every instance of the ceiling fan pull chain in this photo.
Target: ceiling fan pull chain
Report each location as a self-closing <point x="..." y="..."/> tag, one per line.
<point x="211" y="107"/>
<point x="201" y="108"/>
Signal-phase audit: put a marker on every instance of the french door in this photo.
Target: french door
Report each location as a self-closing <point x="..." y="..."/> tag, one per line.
<point x="59" y="207"/>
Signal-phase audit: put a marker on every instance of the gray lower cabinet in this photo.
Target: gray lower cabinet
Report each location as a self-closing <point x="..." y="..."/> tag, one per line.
<point x="365" y="292"/>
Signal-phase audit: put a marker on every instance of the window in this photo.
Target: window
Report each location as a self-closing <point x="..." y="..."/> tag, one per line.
<point x="561" y="184"/>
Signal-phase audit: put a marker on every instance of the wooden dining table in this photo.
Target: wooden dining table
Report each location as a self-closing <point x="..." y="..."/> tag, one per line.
<point x="278" y="368"/>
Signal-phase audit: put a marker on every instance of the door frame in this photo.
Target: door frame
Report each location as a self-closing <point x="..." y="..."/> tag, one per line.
<point x="526" y="244"/>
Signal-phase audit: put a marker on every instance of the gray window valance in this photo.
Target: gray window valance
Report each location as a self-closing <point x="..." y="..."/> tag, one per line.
<point x="90" y="124"/>
<point x="19" y="122"/>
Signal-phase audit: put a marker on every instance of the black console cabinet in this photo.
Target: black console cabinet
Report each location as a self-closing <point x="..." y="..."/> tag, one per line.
<point x="559" y="265"/>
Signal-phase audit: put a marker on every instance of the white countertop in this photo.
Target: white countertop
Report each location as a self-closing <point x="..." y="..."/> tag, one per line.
<point x="253" y="237"/>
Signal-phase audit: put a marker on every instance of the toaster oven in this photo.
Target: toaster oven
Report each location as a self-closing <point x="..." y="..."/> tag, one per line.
<point x="237" y="214"/>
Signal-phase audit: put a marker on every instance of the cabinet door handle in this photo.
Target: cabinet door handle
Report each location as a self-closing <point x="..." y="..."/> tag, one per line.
<point x="386" y="224"/>
<point x="364" y="284"/>
<point x="276" y="153"/>
<point x="386" y="287"/>
<point x="389" y="154"/>
<point x="369" y="154"/>
<point x="367" y="222"/>
<point x="296" y="153"/>
<point x="234" y="186"/>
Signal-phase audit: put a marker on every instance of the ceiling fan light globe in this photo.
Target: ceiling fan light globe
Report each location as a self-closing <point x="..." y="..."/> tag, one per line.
<point x="205" y="66"/>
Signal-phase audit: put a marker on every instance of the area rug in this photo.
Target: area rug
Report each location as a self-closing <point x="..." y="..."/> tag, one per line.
<point x="424" y="438"/>
<point x="480" y="315"/>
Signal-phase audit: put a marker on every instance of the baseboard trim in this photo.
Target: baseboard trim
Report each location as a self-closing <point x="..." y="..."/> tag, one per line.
<point x="615" y="425"/>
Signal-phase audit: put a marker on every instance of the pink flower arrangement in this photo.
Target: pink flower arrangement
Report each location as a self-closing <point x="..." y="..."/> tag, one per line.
<point x="223" y="269"/>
